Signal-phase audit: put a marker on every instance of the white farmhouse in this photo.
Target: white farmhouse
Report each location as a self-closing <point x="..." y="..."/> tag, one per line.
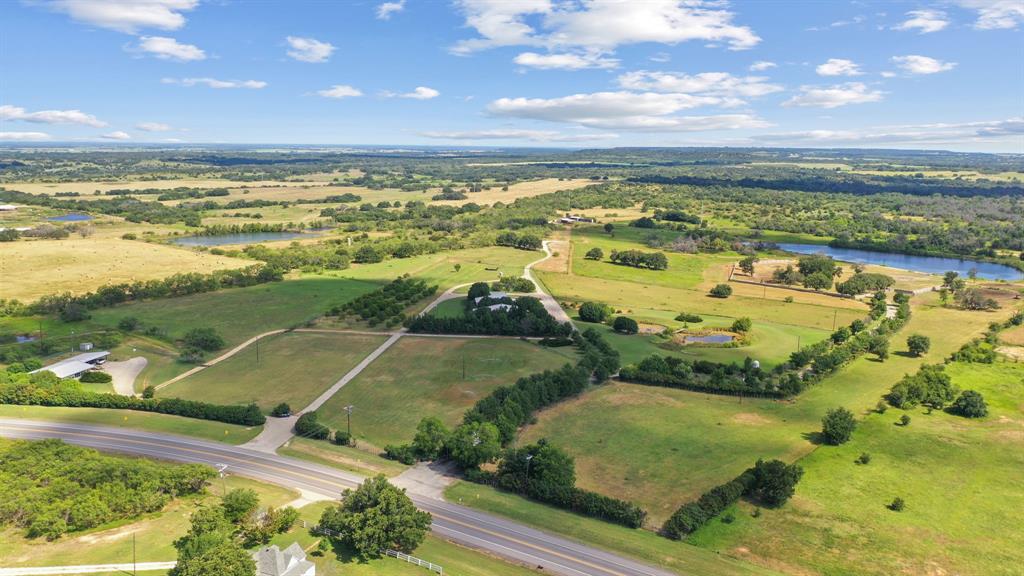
<point x="272" y="561"/>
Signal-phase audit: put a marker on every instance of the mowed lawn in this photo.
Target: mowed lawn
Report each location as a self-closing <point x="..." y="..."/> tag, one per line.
<point x="661" y="447"/>
<point x="240" y="313"/>
<point x="31" y="269"/>
<point x="294" y="367"/>
<point x="474" y="264"/>
<point x="961" y="480"/>
<point x="427" y="376"/>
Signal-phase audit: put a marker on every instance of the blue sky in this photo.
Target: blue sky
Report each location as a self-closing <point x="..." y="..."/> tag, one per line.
<point x="575" y="73"/>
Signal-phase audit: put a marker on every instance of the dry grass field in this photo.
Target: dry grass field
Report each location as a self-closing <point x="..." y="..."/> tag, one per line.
<point x="520" y="190"/>
<point x="88" y="189"/>
<point x="30" y="269"/>
<point x="905" y="279"/>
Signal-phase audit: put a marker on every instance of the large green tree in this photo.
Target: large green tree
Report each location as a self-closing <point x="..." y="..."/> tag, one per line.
<point x="376" y="517"/>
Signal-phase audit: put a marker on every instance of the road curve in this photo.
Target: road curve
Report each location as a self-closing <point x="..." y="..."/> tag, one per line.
<point x="460" y="524"/>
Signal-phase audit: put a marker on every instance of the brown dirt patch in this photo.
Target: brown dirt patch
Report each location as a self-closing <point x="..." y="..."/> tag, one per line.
<point x="1013" y="336"/>
<point x="1015" y="353"/>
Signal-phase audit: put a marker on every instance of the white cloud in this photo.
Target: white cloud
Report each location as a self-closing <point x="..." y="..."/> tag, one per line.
<point x="839" y="24"/>
<point x="762" y="65"/>
<point x="153" y="127"/>
<point x="838" y="67"/>
<point x="914" y="64"/>
<point x="24" y="136"/>
<point x="385" y="10"/>
<point x="8" y="112"/>
<point x="660" y="57"/>
<point x="117" y="135"/>
<point x="309" y="49"/>
<point x="649" y="111"/>
<point x="516" y="134"/>
<point x="566" y="61"/>
<point x="215" y="83"/>
<point x="170" y="49"/>
<point x="339" y="91"/>
<point x="728" y="88"/>
<point x="925" y="21"/>
<point x="421" y="93"/>
<point x="126" y="15"/>
<point x="996" y="14"/>
<point x="834" y="96"/>
<point x="600" y="25"/>
<point x="939" y="133"/>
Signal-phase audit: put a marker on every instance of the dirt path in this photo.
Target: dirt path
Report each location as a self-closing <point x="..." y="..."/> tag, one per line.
<point x="125" y="373"/>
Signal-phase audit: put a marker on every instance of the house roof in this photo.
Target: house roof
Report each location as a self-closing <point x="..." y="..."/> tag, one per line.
<point x="272" y="561"/>
<point x="75" y="365"/>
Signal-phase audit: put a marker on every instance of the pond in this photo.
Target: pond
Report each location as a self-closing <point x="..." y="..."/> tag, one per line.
<point x="710" y="339"/>
<point x="925" y="264"/>
<point x="247" y="238"/>
<point x="73" y="217"/>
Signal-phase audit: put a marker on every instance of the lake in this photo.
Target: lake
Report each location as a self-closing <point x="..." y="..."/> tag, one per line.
<point x="710" y="339"/>
<point x="73" y="217"/>
<point x="925" y="264"/>
<point x="248" y="238"/>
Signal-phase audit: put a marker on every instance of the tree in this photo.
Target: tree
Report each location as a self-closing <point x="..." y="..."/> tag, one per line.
<point x="478" y="290"/>
<point x="837" y="426"/>
<point x="747" y="265"/>
<point x="625" y="325"/>
<point x="918" y="344"/>
<point x="376" y="517"/>
<point x="609" y="228"/>
<point x="879" y="346"/>
<point x="742" y="325"/>
<point x="367" y="254"/>
<point x="841" y="335"/>
<point x="970" y="404"/>
<point x="205" y="339"/>
<point x="223" y="558"/>
<point x="721" y="291"/>
<point x="431" y="436"/>
<point x="593" y="312"/>
<point x="474" y="443"/>
<point x="818" y="281"/>
<point x="129" y="324"/>
<point x="240" y="504"/>
<point x="975" y="299"/>
<point x="775" y="481"/>
<point x="282" y="410"/>
<point x="594" y="253"/>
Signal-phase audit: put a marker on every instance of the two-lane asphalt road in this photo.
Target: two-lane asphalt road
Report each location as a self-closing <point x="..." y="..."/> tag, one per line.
<point x="457" y="523"/>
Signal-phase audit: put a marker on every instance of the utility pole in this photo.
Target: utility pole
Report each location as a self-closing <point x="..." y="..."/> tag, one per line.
<point x="257" y="352"/>
<point x="348" y="413"/>
<point x="835" y="317"/>
<point x="798" y="343"/>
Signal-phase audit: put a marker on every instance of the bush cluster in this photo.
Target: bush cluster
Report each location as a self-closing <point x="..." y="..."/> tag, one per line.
<point x="639" y="259"/>
<point x="520" y="241"/>
<point x="864" y="282"/>
<point x="514" y="284"/>
<point x="387" y="303"/>
<point x="527" y="317"/>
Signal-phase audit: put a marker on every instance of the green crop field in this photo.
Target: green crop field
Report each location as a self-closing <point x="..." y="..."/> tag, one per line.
<point x="662" y="447"/>
<point x="294" y="367"/>
<point x="959" y="478"/>
<point x="423" y="376"/>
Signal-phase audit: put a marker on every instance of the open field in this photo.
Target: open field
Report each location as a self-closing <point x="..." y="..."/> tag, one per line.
<point x="423" y="376"/>
<point x="518" y="190"/>
<point x="30" y="269"/>
<point x="1013" y="336"/>
<point x="239" y="313"/>
<point x="343" y="457"/>
<point x="905" y="279"/>
<point x="154" y="534"/>
<point x="661" y="447"/>
<point x="957" y="475"/>
<point x="88" y="188"/>
<point x="293" y="367"/>
<point x="219" y="431"/>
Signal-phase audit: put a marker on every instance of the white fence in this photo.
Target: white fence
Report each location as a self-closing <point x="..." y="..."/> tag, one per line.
<point x="414" y="560"/>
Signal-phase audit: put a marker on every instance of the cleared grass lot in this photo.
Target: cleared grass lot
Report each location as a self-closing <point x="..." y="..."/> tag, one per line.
<point x="423" y="376"/>
<point x="293" y="367"/>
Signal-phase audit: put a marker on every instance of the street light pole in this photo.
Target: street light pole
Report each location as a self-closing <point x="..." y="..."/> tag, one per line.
<point x="348" y="413"/>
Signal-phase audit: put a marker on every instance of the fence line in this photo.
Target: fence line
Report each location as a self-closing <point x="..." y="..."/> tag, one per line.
<point x="392" y="553"/>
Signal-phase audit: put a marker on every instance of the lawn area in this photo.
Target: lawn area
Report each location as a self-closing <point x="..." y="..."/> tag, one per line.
<point x="662" y="447"/>
<point x="31" y="269"/>
<point x="959" y="477"/>
<point x="475" y="264"/>
<point x="154" y="533"/>
<point x="294" y="367"/>
<point x="427" y="376"/>
<point x="240" y="313"/>
<point x="162" y="361"/>
<point x="343" y="457"/>
<point x="219" y="431"/>
<point x="640" y="544"/>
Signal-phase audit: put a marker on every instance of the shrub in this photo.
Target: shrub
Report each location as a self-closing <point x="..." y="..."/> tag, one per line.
<point x="149" y="391"/>
<point x="205" y="339"/>
<point x="864" y="458"/>
<point x="308" y="426"/>
<point x="742" y="325"/>
<point x="837" y="426"/>
<point x="905" y="420"/>
<point x="478" y="290"/>
<point x="775" y="481"/>
<point x="402" y="453"/>
<point x="343" y="438"/>
<point x="970" y="404"/>
<point x="129" y="324"/>
<point x="594" y="253"/>
<point x="515" y="284"/>
<point x="282" y="410"/>
<point x="95" y="377"/>
<point x="593" y="312"/>
<point x="721" y="291"/>
<point x="897" y="504"/>
<point x="625" y="325"/>
<point x="686" y="317"/>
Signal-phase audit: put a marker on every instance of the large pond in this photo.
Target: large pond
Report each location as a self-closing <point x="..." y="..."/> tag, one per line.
<point x="248" y="238"/>
<point x="73" y="217"/>
<point x="710" y="339"/>
<point x="926" y="264"/>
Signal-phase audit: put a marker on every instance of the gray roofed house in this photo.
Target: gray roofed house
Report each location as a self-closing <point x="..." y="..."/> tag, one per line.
<point x="272" y="561"/>
<point x="76" y="365"/>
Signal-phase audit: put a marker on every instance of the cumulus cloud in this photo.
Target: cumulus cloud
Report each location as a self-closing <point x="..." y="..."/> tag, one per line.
<point x="126" y="15"/>
<point x="762" y="65"/>
<point x="215" y="83"/>
<point x="834" y="96"/>
<point x="309" y="49"/>
<point x="385" y="10"/>
<point x="838" y="67"/>
<point x="421" y="93"/>
<point x="600" y="25"/>
<point x="517" y="134"/>
<point x="995" y="14"/>
<point x="24" y="136"/>
<point x="914" y="64"/>
<point x="153" y="127"/>
<point x="8" y="112"/>
<point x="117" y="135"/>
<point x="939" y="133"/>
<point x="339" y="91"/>
<point x="728" y="88"/>
<point x="565" y="61"/>
<point x="925" y="21"/>
<point x="649" y="111"/>
<point x="170" y="49"/>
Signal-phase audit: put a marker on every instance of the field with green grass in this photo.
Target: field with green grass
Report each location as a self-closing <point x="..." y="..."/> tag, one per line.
<point x="960" y="479"/>
<point x="344" y="457"/>
<point x="428" y="376"/>
<point x="662" y="447"/>
<point x="294" y="367"/>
